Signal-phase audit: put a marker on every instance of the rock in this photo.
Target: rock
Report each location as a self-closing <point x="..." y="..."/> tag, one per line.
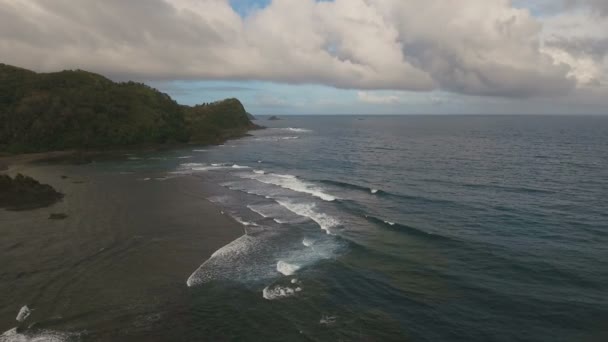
<point x="58" y="216"/>
<point x="273" y="118"/>
<point x="24" y="193"/>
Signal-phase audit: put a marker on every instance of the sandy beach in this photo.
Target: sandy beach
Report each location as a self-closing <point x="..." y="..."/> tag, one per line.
<point x="121" y="256"/>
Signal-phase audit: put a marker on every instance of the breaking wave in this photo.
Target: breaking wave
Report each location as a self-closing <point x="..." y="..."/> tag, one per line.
<point x="287" y="268"/>
<point x="292" y="183"/>
<point x="326" y="222"/>
<point x="279" y="292"/>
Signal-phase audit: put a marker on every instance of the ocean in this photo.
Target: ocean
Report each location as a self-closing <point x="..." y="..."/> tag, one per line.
<point x="383" y="228"/>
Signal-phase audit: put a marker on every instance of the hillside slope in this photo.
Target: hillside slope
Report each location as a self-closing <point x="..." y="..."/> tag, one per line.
<point x="79" y="110"/>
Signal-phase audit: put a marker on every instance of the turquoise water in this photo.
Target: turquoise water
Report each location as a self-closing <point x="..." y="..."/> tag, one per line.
<point x="440" y="228"/>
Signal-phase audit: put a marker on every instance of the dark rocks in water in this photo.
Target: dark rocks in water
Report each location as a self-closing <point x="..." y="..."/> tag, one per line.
<point x="273" y="118"/>
<point x="58" y="216"/>
<point x="24" y="193"/>
<point x="64" y="177"/>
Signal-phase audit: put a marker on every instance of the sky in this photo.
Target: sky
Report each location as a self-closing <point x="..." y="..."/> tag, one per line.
<point x="330" y="57"/>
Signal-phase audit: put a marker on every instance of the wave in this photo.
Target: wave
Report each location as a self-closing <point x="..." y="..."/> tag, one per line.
<point x="245" y="258"/>
<point x="279" y="292"/>
<point x="202" y="167"/>
<point x="326" y="222"/>
<point x="38" y="336"/>
<point x="259" y="211"/>
<point x="406" y="229"/>
<point x="243" y="222"/>
<point x="199" y="151"/>
<point x="276" y="138"/>
<point x="287" y="268"/>
<point x="352" y="186"/>
<point x="292" y="183"/>
<point x="184" y="157"/>
<point x="308" y="242"/>
<point x="294" y="129"/>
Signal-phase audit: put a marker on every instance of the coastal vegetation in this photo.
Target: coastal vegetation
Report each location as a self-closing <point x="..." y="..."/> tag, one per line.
<point x="76" y="109"/>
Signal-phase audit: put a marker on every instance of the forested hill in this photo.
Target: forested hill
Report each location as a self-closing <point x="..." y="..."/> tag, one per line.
<point x="81" y="110"/>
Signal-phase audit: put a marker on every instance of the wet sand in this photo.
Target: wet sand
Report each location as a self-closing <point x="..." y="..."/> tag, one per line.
<point x="116" y="267"/>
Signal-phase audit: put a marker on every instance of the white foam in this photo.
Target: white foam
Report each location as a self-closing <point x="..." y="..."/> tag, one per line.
<point x="219" y="199"/>
<point x="308" y="242"/>
<point x="389" y="223"/>
<point x="279" y="292"/>
<point x="258" y="210"/>
<point x="243" y="222"/>
<point x="23" y="314"/>
<point x="184" y="157"/>
<point x="302" y="130"/>
<point x="326" y="320"/>
<point x="287" y="268"/>
<point x="199" y="167"/>
<point x="248" y="258"/>
<point x="326" y="222"/>
<point x="40" y="336"/>
<point x="198" y="151"/>
<point x="374" y="191"/>
<point x="292" y="183"/>
<point x="276" y="138"/>
<point x="294" y="129"/>
<point x="259" y="172"/>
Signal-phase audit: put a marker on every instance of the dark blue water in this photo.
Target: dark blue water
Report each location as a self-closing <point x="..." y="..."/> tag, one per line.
<point x="460" y="228"/>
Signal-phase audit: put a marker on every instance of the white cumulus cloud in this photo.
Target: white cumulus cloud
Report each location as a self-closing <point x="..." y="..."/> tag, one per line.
<point x="477" y="47"/>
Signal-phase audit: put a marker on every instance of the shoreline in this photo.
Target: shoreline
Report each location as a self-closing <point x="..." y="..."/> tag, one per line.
<point x="83" y="156"/>
<point x="124" y="241"/>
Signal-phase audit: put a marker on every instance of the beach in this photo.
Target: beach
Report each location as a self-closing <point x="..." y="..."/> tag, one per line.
<point x="357" y="229"/>
<point x="120" y="260"/>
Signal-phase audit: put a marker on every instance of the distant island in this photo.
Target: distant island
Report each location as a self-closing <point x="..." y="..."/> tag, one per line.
<point x="273" y="118"/>
<point x="81" y="110"/>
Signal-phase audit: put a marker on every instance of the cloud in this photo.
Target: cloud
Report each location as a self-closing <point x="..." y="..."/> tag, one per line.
<point x="367" y="97"/>
<point x="579" y="39"/>
<point x="477" y="47"/>
<point x="599" y="7"/>
<point x="268" y="100"/>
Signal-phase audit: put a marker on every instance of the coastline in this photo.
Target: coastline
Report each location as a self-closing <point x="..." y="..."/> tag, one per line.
<point x="146" y="237"/>
<point x="76" y="156"/>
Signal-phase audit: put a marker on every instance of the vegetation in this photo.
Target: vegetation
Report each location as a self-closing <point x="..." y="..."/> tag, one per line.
<point x="23" y="192"/>
<point x="82" y="110"/>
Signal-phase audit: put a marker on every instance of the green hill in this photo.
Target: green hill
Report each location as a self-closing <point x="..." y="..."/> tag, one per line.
<point x="81" y="110"/>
